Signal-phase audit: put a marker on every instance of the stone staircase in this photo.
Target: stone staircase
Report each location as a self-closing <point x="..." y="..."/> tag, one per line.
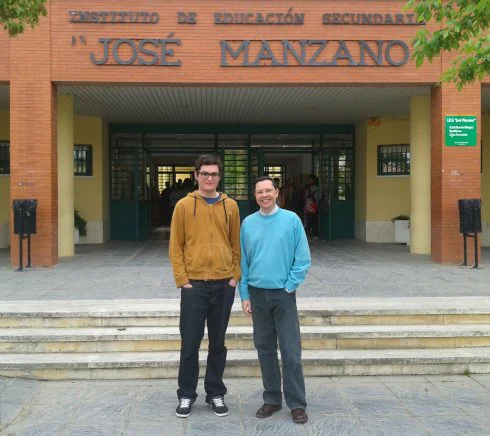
<point x="120" y="339"/>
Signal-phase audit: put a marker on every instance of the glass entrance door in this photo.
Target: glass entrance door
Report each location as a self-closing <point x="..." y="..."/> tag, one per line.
<point x="130" y="207"/>
<point x="334" y="165"/>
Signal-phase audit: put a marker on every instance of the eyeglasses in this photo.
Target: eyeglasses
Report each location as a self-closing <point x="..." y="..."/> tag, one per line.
<point x="206" y="175"/>
<point x="266" y="191"/>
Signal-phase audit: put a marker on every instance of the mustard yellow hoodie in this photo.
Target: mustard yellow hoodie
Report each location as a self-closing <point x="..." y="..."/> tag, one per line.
<point x="205" y="239"/>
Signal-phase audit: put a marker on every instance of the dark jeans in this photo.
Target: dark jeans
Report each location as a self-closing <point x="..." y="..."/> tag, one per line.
<point x="275" y="316"/>
<point x="209" y="301"/>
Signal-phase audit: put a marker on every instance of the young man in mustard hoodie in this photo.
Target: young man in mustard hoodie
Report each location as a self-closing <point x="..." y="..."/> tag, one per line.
<point x="205" y="255"/>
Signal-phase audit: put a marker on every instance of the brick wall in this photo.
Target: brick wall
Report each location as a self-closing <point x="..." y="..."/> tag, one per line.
<point x="33" y="139"/>
<point x="58" y="51"/>
<point x="200" y="52"/>
<point x="455" y="171"/>
<point x="4" y="65"/>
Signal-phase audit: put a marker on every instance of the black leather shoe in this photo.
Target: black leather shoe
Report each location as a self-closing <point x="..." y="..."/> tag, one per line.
<point x="299" y="416"/>
<point x="267" y="410"/>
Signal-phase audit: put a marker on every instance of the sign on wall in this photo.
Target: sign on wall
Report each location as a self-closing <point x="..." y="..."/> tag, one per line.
<point x="460" y="130"/>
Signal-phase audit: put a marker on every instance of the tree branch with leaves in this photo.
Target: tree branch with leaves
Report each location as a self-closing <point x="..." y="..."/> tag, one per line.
<point x="464" y="31"/>
<point x="15" y="15"/>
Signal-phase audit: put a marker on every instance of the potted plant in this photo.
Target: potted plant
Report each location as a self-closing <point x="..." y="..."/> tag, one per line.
<point x="80" y="227"/>
<point x="402" y="229"/>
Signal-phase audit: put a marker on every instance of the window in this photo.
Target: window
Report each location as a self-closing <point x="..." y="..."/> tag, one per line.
<point x="276" y="171"/>
<point x="171" y="174"/>
<point x="164" y="174"/>
<point x="237" y="174"/>
<point x="4" y="157"/>
<point x="82" y="155"/>
<point x="341" y="171"/>
<point x="394" y="160"/>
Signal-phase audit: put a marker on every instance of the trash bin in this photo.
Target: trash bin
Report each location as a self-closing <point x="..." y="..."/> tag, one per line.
<point x="470" y="224"/>
<point x="24" y="216"/>
<point x="470" y="215"/>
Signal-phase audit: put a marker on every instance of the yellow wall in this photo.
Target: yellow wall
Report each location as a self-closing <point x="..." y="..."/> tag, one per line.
<point x="387" y="196"/>
<point x="106" y="173"/>
<point x="4" y="180"/>
<point x="485" y="180"/>
<point x="89" y="192"/>
<point x="360" y="171"/>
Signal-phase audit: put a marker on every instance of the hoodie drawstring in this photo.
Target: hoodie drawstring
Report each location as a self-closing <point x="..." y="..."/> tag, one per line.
<point x="224" y="208"/>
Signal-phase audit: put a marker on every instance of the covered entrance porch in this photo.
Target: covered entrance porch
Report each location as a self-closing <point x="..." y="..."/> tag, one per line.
<point x="369" y="146"/>
<point x="154" y="135"/>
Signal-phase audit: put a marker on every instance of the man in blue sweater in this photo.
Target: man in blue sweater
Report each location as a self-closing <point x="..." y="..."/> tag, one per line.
<point x="275" y="258"/>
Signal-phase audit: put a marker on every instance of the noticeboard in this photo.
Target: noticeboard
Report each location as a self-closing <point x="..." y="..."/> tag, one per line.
<point x="460" y="131"/>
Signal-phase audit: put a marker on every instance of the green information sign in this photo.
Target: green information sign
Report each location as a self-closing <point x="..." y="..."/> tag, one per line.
<point x="460" y="130"/>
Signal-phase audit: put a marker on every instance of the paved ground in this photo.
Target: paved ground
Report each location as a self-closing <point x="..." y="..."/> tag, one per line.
<point x="415" y="405"/>
<point x="125" y="270"/>
<point x="408" y="405"/>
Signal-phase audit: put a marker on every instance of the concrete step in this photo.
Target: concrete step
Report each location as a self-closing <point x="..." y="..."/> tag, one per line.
<point x="312" y="311"/>
<point x="150" y="339"/>
<point x="243" y="363"/>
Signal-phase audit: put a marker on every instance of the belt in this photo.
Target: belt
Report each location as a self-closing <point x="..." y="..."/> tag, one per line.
<point x="211" y="280"/>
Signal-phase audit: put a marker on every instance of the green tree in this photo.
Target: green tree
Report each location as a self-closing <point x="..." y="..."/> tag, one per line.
<point x="15" y="15"/>
<point x="464" y="30"/>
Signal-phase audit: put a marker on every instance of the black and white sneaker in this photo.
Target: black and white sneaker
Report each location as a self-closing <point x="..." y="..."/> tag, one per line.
<point x="218" y="405"/>
<point x="184" y="408"/>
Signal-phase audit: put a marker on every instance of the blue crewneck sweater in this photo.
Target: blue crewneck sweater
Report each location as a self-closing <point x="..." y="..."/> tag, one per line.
<point x="275" y="252"/>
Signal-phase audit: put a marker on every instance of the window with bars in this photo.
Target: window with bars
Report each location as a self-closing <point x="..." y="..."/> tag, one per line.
<point x="394" y="160"/>
<point x="164" y="174"/>
<point x="128" y="174"/>
<point x="342" y="181"/>
<point x="236" y="174"/>
<point x="171" y="174"/>
<point x="276" y="172"/>
<point x="4" y="157"/>
<point x="82" y="155"/>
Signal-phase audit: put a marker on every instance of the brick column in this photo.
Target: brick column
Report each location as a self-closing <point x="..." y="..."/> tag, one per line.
<point x="455" y="171"/>
<point x="33" y="152"/>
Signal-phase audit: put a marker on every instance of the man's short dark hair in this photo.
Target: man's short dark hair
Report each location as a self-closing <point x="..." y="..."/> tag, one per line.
<point x="264" y="178"/>
<point x="207" y="159"/>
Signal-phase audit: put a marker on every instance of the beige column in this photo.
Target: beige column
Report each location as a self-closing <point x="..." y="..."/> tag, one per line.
<point x="66" y="202"/>
<point x="420" y="175"/>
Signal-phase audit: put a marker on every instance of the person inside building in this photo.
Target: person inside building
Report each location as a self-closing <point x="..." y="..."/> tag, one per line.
<point x="275" y="258"/>
<point x="280" y="199"/>
<point x="175" y="195"/>
<point x="165" y="204"/>
<point x="311" y="207"/>
<point x="187" y="186"/>
<point x="286" y="193"/>
<point x="205" y="255"/>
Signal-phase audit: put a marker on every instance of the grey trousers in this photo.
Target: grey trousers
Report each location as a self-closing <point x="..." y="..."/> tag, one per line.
<point x="275" y="318"/>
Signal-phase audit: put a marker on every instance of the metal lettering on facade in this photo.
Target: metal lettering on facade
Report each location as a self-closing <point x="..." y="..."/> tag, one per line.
<point x="261" y="18"/>
<point x="310" y="52"/>
<point x="114" y="17"/>
<point x="371" y="19"/>
<point x="248" y="52"/>
<point x="126" y="51"/>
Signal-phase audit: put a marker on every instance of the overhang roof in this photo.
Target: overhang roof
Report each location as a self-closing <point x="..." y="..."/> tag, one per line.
<point x="241" y="105"/>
